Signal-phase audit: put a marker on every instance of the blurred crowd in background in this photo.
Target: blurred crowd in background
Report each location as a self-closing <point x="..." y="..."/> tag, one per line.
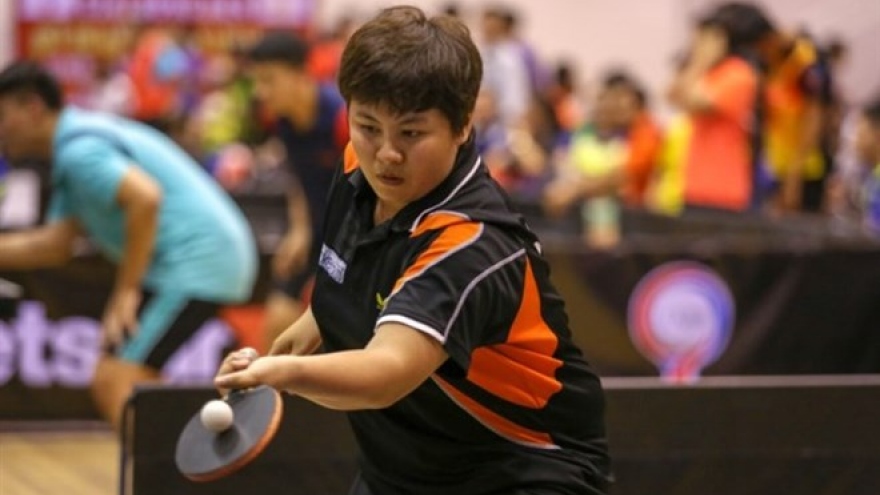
<point x="760" y="126"/>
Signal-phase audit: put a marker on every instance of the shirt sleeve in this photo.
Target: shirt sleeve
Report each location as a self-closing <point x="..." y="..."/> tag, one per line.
<point x="87" y="168"/>
<point x="459" y="289"/>
<point x="59" y="206"/>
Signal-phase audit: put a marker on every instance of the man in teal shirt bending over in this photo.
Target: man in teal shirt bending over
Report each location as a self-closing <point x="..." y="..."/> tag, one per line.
<point x="181" y="246"/>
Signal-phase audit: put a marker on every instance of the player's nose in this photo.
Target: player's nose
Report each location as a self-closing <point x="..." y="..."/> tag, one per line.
<point x="388" y="153"/>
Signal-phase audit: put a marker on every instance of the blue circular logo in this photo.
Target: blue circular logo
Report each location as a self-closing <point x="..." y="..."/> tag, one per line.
<point x="680" y="316"/>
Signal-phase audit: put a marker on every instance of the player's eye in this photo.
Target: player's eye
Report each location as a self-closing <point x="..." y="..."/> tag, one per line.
<point x="369" y="129"/>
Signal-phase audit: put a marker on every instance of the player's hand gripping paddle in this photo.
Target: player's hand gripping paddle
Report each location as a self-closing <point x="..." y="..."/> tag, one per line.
<point x="206" y="454"/>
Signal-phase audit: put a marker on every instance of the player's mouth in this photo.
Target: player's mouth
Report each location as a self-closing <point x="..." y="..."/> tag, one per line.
<point x="389" y="180"/>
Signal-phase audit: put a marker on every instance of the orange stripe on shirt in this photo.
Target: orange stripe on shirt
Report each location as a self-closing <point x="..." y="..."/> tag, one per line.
<point x="495" y="422"/>
<point x="450" y="240"/>
<point x="522" y="370"/>
<point x="350" y="160"/>
<point x="438" y="220"/>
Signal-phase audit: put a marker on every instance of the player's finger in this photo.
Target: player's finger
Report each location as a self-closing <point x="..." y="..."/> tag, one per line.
<point x="238" y="360"/>
<point x="241" y="360"/>
<point x="236" y="380"/>
<point x="248" y="353"/>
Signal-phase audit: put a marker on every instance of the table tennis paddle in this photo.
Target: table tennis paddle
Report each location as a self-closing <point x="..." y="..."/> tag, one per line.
<point x="205" y="455"/>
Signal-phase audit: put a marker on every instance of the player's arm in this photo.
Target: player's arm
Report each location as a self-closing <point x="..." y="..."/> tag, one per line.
<point x="688" y="91"/>
<point x="299" y="339"/>
<point x="292" y="252"/>
<point x="42" y="247"/>
<point x="808" y="142"/>
<point x="298" y="209"/>
<point x="600" y="185"/>
<point x="396" y="361"/>
<point x="140" y="198"/>
<point x="816" y="88"/>
<point x="562" y="193"/>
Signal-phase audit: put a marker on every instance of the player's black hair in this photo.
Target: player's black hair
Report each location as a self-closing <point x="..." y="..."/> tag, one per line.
<point x="280" y="46"/>
<point x="744" y="23"/>
<point x="26" y="78"/>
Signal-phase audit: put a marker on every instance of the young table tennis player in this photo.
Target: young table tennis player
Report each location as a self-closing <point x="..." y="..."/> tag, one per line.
<point x="441" y="334"/>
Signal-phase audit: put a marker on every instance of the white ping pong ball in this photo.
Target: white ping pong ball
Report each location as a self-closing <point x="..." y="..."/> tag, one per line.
<point x="216" y="415"/>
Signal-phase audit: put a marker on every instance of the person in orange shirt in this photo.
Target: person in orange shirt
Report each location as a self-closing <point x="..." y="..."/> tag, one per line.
<point x="643" y="136"/>
<point x="718" y="89"/>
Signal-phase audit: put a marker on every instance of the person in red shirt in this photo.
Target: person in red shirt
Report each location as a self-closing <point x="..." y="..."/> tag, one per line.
<point x="643" y="136"/>
<point x="718" y="89"/>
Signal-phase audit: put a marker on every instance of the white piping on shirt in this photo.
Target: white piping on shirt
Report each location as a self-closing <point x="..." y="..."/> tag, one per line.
<point x="474" y="282"/>
<point x="449" y="197"/>
<point x="441" y="336"/>
<point x="414" y="324"/>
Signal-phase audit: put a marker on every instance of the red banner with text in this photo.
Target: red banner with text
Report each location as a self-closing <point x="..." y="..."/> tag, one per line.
<point x="75" y="37"/>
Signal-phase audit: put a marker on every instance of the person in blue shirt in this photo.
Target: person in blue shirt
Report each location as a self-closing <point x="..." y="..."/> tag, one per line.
<point x="182" y="246"/>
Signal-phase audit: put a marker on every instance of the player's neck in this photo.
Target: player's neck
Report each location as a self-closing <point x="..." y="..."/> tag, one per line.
<point x="385" y="211"/>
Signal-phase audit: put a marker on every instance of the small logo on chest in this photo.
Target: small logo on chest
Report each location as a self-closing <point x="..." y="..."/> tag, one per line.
<point x="333" y="264"/>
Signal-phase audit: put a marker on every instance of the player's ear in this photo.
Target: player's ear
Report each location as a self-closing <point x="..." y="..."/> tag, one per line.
<point x="465" y="131"/>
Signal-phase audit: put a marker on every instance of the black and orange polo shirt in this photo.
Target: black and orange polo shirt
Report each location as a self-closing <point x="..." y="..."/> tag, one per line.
<point x="515" y="409"/>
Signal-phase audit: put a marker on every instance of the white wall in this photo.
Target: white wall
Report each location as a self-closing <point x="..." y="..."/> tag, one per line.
<point x="7" y="36"/>
<point x="593" y="34"/>
<point x="645" y="34"/>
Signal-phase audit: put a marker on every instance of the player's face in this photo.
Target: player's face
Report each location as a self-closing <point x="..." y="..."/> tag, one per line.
<point x="18" y="129"/>
<point x="403" y="156"/>
<point x="276" y="85"/>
